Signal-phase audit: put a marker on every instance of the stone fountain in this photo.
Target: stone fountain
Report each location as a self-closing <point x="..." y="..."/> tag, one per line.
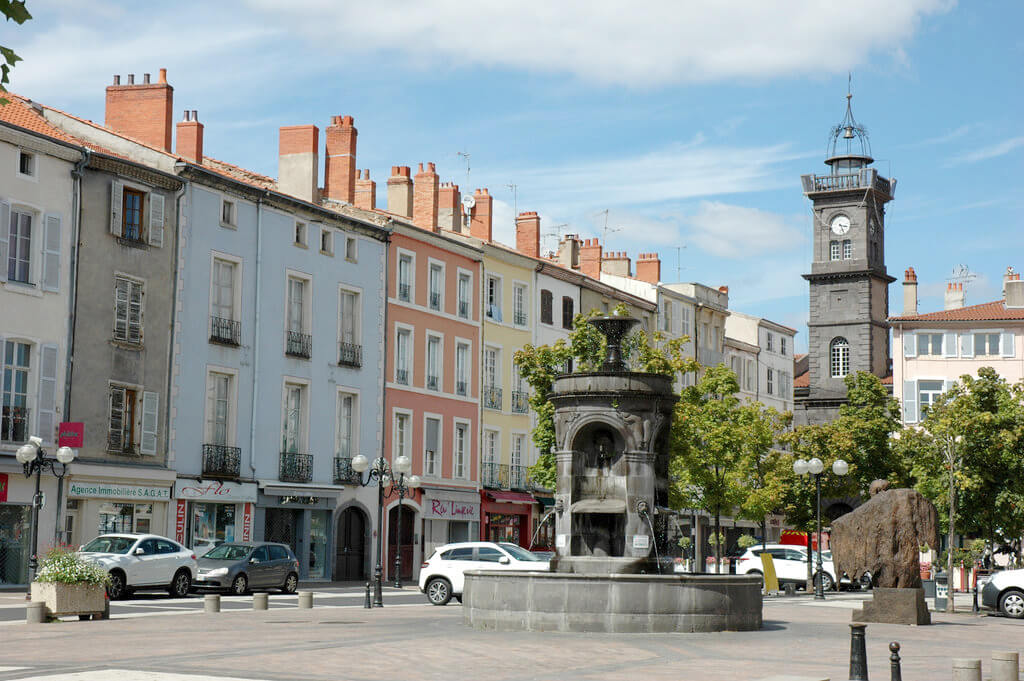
<point x="612" y="428"/>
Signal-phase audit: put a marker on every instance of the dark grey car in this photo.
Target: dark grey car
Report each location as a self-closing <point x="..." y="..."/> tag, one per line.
<point x="238" y="567"/>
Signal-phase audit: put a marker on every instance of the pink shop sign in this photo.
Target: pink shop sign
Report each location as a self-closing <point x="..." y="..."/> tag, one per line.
<point x="445" y="509"/>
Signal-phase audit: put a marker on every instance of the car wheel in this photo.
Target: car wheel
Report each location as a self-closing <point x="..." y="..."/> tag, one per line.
<point x="826" y="580"/>
<point x="439" y="591"/>
<point x="116" y="587"/>
<point x="240" y="585"/>
<point x="1011" y="604"/>
<point x="180" y="585"/>
<point x="291" y="583"/>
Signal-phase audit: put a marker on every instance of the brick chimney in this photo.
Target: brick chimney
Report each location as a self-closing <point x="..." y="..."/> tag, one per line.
<point x="648" y="268"/>
<point x="528" y="233"/>
<point x="480" y="222"/>
<point x="569" y="251"/>
<point x="366" y="190"/>
<point x="424" y="198"/>
<point x="1008" y="276"/>
<point x="400" y="191"/>
<point x="189" y="137"/>
<point x="142" y="112"/>
<point x="297" y="161"/>
<point x="955" y="297"/>
<point x="590" y="258"/>
<point x="910" y="291"/>
<point x="449" y="207"/>
<point x="340" y="164"/>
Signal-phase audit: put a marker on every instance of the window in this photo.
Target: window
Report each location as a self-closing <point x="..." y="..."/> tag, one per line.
<point x="684" y="318"/>
<point x="14" y="424"/>
<point x="432" y="447"/>
<point x="350" y="352"/>
<point x="847" y="249"/>
<point x="749" y="375"/>
<point x="546" y="302"/>
<point x="436" y="286"/>
<point x="839" y="357"/>
<point x="132" y="214"/>
<point x="346" y="448"/>
<point x="128" y="310"/>
<point x="770" y="343"/>
<point x="492" y="371"/>
<point x="227" y="213"/>
<point x="770" y="381"/>
<point x="486" y="554"/>
<point x="326" y="241"/>
<point x="460" y="450"/>
<point x="462" y="369"/>
<point x="433" y="363"/>
<point x="121" y="432"/>
<point x="518" y="447"/>
<point x="298" y="342"/>
<point x="782" y="345"/>
<point x="402" y="436"/>
<point x="350" y="249"/>
<point x="833" y="250"/>
<point x="567" y="312"/>
<point x="26" y="163"/>
<point x="704" y="337"/>
<point x="930" y="344"/>
<point x="402" y="356"/>
<point x="405" y="278"/>
<point x="985" y="344"/>
<point x="928" y="392"/>
<point x="717" y="333"/>
<point x="218" y="409"/>
<point x="465" y="296"/>
<point x="735" y="365"/>
<point x="519" y="304"/>
<point x="223" y="294"/>
<point x="291" y="429"/>
<point x="296" y="303"/>
<point x="19" y="247"/>
<point x="300" y="233"/>
<point x="666" y="316"/>
<point x="494" y="298"/>
<point x="126" y="215"/>
<point x="491" y="447"/>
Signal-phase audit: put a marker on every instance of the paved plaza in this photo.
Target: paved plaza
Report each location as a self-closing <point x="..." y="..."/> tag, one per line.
<point x="408" y="640"/>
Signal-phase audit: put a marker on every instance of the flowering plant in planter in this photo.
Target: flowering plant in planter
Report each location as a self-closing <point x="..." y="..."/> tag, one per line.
<point x="65" y="567"/>
<point x="69" y="585"/>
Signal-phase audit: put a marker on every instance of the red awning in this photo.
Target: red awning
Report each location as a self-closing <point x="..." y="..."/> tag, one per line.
<point x="512" y="497"/>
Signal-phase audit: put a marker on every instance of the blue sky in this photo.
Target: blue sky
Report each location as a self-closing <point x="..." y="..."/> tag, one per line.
<point x="689" y="122"/>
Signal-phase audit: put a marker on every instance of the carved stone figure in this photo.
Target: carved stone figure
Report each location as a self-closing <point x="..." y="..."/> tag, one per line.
<point x="883" y="537"/>
<point x="636" y="423"/>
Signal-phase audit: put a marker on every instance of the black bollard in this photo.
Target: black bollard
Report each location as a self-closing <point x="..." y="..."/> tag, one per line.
<point x="894" y="662"/>
<point x="367" y="604"/>
<point x="858" y="653"/>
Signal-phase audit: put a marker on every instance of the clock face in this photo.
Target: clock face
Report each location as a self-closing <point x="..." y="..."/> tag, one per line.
<point x="840" y="225"/>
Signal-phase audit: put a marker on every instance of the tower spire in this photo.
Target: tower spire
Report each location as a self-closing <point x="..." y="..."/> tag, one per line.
<point x="849" y="139"/>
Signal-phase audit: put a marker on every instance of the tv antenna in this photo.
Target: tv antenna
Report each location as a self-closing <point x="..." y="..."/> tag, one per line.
<point x="464" y="155"/>
<point x="679" y="263"/>
<point x="607" y="230"/>
<point x="962" y="275"/>
<point x="556" y="231"/>
<point x="514" y="188"/>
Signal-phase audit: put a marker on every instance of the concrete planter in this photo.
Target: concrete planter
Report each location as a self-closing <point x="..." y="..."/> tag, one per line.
<point x="70" y="599"/>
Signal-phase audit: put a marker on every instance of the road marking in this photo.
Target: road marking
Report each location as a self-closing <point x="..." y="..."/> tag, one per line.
<point x="130" y="675"/>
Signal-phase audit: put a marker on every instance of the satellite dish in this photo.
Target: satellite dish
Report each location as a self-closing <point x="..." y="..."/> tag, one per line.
<point x="468" y="201"/>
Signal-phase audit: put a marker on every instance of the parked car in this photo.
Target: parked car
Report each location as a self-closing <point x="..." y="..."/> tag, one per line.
<point x="790" y="563"/>
<point x="1004" y="591"/>
<point x="139" y="562"/>
<point x="441" y="575"/>
<point x="238" y="567"/>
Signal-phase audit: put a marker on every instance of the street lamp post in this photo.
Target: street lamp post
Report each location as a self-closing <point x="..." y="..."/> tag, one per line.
<point x="816" y="468"/>
<point x="33" y="459"/>
<point x="385" y="475"/>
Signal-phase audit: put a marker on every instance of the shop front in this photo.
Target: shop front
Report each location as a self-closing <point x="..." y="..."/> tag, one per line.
<point x="16" y="520"/>
<point x="507" y="516"/>
<point x="543" y="537"/>
<point x="449" y="515"/>
<point x="300" y="516"/>
<point x="212" y="512"/>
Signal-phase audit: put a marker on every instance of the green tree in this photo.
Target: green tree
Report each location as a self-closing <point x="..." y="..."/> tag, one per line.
<point x="861" y="433"/>
<point x="12" y="10"/>
<point x="761" y="466"/>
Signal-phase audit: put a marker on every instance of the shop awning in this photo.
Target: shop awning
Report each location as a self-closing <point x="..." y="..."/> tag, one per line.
<point x="447" y="494"/>
<point x="299" y="489"/>
<point x="599" y="506"/>
<point x="545" y="501"/>
<point x="511" y="497"/>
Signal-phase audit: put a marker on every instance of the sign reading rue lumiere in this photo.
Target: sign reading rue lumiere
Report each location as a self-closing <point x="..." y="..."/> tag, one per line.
<point x="445" y="509"/>
<point x="104" y="490"/>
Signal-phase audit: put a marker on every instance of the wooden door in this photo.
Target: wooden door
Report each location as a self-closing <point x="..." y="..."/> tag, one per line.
<point x="350" y="546"/>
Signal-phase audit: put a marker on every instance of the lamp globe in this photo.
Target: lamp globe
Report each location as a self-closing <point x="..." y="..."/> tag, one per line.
<point x="840" y="467"/>
<point x="800" y="467"/>
<point x="403" y="464"/>
<point x="65" y="455"/>
<point x="815" y="466"/>
<point x="359" y="463"/>
<point x="414" y="481"/>
<point x="25" y="453"/>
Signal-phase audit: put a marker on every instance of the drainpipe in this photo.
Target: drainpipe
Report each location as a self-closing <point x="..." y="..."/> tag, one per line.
<point x="178" y="195"/>
<point x="384" y="401"/>
<point x="256" y="335"/>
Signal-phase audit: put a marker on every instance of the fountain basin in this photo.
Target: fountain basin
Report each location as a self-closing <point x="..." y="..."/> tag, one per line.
<point x="611" y="603"/>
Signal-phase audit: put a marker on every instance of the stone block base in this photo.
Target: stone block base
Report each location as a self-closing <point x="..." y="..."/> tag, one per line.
<point x="70" y="599"/>
<point x="895" y="606"/>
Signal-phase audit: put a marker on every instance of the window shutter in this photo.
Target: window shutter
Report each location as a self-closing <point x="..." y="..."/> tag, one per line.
<point x="51" y="254"/>
<point x="156" y="219"/>
<point x="967" y="345"/>
<point x="949" y="344"/>
<point x="1006" y="341"/>
<point x="910" y="401"/>
<point x="909" y="344"/>
<point x="116" y="423"/>
<point x="47" y="424"/>
<point x="150" y="406"/>
<point x="5" y="231"/>
<point x="116" y="208"/>
<point x="211" y="407"/>
<point x="949" y="382"/>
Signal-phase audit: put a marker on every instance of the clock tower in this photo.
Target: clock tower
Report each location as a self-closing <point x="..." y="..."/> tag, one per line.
<point x="849" y="302"/>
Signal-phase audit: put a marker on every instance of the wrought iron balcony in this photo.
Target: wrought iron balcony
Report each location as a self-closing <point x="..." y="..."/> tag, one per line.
<point x="494" y="475"/>
<point x="344" y="474"/>
<point x="350" y="354"/>
<point x="517" y="478"/>
<point x="432" y="382"/>
<point x="464" y="309"/>
<point x="404" y="291"/>
<point x="14" y="424"/>
<point x="435" y="301"/>
<point x="461" y="388"/>
<point x="296" y="467"/>
<point x="221" y="461"/>
<point x="492" y="398"/>
<point x="520" y="401"/>
<point x="520" y="319"/>
<point x="866" y="178"/>
<point x="298" y="345"/>
<point x="225" y="331"/>
<point x="402" y="376"/>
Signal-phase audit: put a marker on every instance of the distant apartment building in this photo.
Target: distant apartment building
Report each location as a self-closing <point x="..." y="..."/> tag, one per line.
<point x="767" y="376"/>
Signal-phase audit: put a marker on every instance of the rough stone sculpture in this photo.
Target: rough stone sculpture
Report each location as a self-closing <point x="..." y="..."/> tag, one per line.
<point x="883" y="537"/>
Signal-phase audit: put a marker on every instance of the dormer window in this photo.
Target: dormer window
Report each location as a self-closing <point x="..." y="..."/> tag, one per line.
<point x="27" y="164"/>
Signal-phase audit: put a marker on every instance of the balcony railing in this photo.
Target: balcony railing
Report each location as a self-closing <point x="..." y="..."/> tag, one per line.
<point x="403" y="292"/>
<point x="296" y="467"/>
<point x="298" y="345"/>
<point x="520" y="319"/>
<point x="225" y="331"/>
<point x="461" y="388"/>
<point x="494" y="475"/>
<point x="520" y="401"/>
<point x="350" y="354"/>
<point x="344" y="474"/>
<point x="14" y="424"/>
<point x="517" y="478"/>
<point x="865" y="179"/>
<point x="435" y="301"/>
<point x="432" y="382"/>
<point x="464" y="309"/>
<point x="402" y="376"/>
<point x="492" y="398"/>
<point x="221" y="461"/>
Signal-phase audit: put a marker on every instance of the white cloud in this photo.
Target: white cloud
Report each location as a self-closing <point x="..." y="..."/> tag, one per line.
<point x="991" y="151"/>
<point x="731" y="231"/>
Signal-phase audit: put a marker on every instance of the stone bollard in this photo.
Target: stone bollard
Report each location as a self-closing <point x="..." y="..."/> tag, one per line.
<point x="858" y="652"/>
<point x="305" y="600"/>
<point x="211" y="603"/>
<point x="966" y="670"/>
<point x="35" y="612"/>
<point x="1005" y="665"/>
<point x="260" y="601"/>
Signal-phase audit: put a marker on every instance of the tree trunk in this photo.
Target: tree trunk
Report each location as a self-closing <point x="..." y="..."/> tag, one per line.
<point x="949" y="553"/>
<point x="718" y="542"/>
<point x="809" y="586"/>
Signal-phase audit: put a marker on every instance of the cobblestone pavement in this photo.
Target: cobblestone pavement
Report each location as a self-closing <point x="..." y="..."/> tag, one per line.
<point x="419" y="641"/>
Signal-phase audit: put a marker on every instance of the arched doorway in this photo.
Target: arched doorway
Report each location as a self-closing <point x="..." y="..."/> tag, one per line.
<point x="350" y="546"/>
<point x="403" y="531"/>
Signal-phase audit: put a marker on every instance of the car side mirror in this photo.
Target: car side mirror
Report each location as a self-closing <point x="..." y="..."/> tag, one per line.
<point x="254" y="561"/>
<point x="140" y="551"/>
<point x="81" y="547"/>
<point x="504" y="560"/>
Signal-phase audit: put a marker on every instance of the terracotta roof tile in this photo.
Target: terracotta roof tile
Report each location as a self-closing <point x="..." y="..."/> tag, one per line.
<point x="993" y="311"/>
<point x="240" y="174"/>
<point x="803" y="380"/>
<point x="19" y="112"/>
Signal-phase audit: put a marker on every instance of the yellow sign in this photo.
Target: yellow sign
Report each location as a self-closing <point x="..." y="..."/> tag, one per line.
<point x="771" y="581"/>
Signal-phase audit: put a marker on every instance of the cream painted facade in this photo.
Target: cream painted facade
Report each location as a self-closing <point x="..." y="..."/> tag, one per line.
<point x="770" y="379"/>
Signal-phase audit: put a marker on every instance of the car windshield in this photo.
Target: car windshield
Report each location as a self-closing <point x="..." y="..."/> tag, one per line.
<point x="109" y="545"/>
<point x="520" y="553"/>
<point x="228" y="552"/>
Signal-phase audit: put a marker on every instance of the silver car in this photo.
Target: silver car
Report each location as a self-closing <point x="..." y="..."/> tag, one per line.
<point x="238" y="567"/>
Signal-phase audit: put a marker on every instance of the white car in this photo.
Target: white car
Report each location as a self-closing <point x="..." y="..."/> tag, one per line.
<point x="142" y="561"/>
<point x="1004" y="591"/>
<point x="441" y="577"/>
<point x="790" y="563"/>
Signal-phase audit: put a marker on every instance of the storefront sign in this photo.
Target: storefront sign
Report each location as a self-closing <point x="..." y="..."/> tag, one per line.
<point x="215" y="490"/>
<point x="105" y="490"/>
<point x="445" y="509"/>
<point x="3" y="486"/>
<point x="179" y="522"/>
<point x="247" y="522"/>
<point x="71" y="434"/>
<point x="641" y="541"/>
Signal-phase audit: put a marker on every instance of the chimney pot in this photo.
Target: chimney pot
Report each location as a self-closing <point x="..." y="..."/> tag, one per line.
<point x="195" y="115"/>
<point x="145" y="78"/>
<point x="117" y="80"/>
<point x="163" y="76"/>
